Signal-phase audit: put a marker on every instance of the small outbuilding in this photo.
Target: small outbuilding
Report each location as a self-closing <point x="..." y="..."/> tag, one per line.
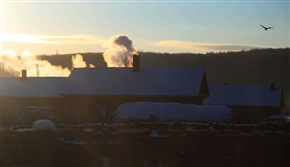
<point x="31" y="97"/>
<point x="248" y="102"/>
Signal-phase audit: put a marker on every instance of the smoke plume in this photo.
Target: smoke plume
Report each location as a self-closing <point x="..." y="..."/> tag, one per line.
<point x="77" y="61"/>
<point x="12" y="64"/>
<point x="119" y="51"/>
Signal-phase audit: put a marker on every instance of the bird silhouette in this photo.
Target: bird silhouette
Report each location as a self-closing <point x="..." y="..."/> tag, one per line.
<point x="266" y="28"/>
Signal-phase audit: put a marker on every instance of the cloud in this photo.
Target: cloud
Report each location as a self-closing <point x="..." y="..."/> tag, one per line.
<point x="74" y="39"/>
<point x="48" y="39"/>
<point x="206" y="47"/>
<point x="22" y="38"/>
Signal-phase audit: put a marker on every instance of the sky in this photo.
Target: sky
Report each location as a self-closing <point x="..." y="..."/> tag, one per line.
<point x="47" y="27"/>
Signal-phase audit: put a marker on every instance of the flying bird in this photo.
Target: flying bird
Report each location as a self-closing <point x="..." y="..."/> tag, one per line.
<point x="266" y="28"/>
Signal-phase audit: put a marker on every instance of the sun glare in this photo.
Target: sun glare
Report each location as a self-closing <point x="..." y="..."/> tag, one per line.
<point x="8" y="52"/>
<point x="26" y="54"/>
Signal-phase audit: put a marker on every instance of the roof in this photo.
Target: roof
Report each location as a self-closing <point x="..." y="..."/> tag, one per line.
<point x="244" y="95"/>
<point x="32" y="86"/>
<point x="156" y="81"/>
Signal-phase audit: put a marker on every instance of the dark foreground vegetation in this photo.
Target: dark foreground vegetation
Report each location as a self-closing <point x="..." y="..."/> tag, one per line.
<point x="136" y="144"/>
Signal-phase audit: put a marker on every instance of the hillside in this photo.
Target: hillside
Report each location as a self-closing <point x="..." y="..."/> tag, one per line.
<point x="259" y="66"/>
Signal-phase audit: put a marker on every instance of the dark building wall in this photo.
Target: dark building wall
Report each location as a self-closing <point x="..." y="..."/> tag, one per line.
<point x="86" y="108"/>
<point x="251" y="113"/>
<point x="81" y="108"/>
<point x="91" y="108"/>
<point x="13" y="108"/>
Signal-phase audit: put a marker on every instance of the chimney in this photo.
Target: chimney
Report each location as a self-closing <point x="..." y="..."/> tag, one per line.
<point x="272" y="86"/>
<point x="136" y="63"/>
<point x="23" y="75"/>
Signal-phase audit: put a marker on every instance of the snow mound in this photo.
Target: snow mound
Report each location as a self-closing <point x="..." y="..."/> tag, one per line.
<point x="173" y="111"/>
<point x="44" y="125"/>
<point x="281" y="117"/>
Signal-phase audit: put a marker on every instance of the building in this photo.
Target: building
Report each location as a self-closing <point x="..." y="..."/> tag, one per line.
<point x="94" y="93"/>
<point x="248" y="102"/>
<point x="91" y="94"/>
<point x="31" y="97"/>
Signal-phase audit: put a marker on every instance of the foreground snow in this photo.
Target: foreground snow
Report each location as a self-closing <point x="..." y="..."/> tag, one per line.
<point x="173" y="111"/>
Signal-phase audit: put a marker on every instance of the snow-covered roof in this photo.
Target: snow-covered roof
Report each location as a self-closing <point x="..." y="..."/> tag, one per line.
<point x="244" y="95"/>
<point x="173" y="111"/>
<point x="32" y="86"/>
<point x="158" y="81"/>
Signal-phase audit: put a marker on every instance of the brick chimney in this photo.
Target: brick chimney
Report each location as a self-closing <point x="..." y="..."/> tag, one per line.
<point x="23" y="75"/>
<point x="136" y="63"/>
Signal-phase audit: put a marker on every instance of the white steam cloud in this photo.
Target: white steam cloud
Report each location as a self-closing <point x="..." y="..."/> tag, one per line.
<point x="78" y="62"/>
<point x="119" y="51"/>
<point x="12" y="64"/>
